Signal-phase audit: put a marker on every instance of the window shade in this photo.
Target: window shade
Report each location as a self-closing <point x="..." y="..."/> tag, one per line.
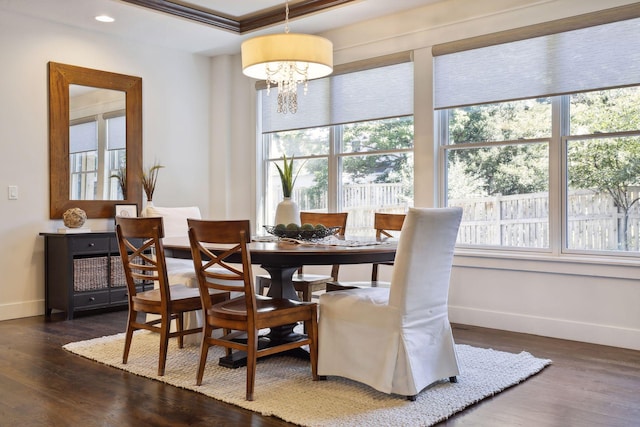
<point x="83" y="137"/>
<point x="117" y="133"/>
<point x="364" y="95"/>
<point x="598" y="57"/>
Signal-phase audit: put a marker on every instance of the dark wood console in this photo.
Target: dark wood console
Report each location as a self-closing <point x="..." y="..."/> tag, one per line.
<point x="83" y="272"/>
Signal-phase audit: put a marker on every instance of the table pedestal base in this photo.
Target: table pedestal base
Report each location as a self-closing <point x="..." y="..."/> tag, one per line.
<point x="281" y="287"/>
<point x="238" y="359"/>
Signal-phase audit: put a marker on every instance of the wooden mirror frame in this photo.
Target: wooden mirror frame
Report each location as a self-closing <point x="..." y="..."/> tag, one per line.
<point x="60" y="77"/>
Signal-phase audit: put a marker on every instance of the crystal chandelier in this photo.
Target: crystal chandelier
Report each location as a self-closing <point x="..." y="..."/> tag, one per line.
<point x="287" y="60"/>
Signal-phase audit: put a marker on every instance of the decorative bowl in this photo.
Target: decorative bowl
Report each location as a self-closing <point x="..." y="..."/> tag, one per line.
<point x="317" y="233"/>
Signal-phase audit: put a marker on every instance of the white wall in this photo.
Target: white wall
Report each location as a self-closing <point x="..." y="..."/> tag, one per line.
<point x="580" y="299"/>
<point x="175" y="133"/>
<point x="203" y="132"/>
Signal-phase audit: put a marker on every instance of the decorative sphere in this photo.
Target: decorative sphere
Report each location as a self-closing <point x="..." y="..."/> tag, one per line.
<point x="74" y="218"/>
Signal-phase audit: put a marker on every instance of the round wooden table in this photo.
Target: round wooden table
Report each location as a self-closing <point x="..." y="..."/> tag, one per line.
<point x="282" y="259"/>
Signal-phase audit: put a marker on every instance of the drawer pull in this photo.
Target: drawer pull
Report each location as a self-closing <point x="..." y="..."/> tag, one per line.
<point x="92" y="299"/>
<point x="91" y="244"/>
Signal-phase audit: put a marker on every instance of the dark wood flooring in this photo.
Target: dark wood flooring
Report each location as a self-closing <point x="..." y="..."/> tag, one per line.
<point x="43" y="385"/>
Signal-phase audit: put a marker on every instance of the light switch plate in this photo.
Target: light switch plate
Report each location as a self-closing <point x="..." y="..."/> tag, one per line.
<point x="13" y="192"/>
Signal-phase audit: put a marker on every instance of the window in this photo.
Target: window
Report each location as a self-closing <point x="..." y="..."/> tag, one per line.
<point x="116" y="152"/>
<point x="497" y="163"/>
<point x="577" y="141"/>
<point x="90" y="179"/>
<point x="603" y="171"/>
<point x="83" y="150"/>
<point x="352" y="146"/>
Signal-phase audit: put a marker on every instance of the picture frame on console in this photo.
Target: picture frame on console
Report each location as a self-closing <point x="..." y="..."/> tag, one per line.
<point x="127" y="210"/>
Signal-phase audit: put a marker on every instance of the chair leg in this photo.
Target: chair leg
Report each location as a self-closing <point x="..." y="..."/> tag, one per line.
<point x="313" y="346"/>
<point x="129" y="336"/>
<point x="412" y="398"/>
<point x="262" y="283"/>
<point x="204" y="350"/>
<point x="180" y="328"/>
<point x="306" y="293"/>
<point x="305" y="296"/>
<point x="164" y="344"/>
<point x="252" y="349"/>
<point x="453" y="379"/>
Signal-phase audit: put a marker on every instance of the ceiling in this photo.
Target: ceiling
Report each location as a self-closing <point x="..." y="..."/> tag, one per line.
<point x="148" y="21"/>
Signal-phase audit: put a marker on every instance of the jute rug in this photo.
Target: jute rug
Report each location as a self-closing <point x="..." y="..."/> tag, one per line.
<point x="284" y="387"/>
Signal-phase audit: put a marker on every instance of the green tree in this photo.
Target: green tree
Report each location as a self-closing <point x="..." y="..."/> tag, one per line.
<point x="503" y="168"/>
<point x="607" y="165"/>
<point x="369" y="138"/>
<point x="375" y="136"/>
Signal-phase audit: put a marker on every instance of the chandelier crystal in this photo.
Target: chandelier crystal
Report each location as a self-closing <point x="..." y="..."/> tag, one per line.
<point x="286" y="61"/>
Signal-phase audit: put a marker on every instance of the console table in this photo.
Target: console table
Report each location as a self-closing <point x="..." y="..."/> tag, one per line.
<point x="83" y="272"/>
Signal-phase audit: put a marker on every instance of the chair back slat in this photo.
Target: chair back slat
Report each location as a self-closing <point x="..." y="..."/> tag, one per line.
<point x="332" y="219"/>
<point x="142" y="254"/>
<point x="384" y="222"/>
<point x="219" y="269"/>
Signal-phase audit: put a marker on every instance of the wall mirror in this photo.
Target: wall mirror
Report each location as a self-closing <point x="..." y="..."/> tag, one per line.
<point x="95" y="140"/>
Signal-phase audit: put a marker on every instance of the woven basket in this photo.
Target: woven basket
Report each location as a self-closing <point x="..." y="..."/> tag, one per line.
<point x="90" y="274"/>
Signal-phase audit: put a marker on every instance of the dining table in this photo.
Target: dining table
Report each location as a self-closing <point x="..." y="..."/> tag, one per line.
<point x="281" y="258"/>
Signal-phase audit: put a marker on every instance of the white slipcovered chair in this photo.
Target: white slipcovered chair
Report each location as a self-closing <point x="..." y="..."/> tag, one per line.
<point x="398" y="339"/>
<point x="174" y="220"/>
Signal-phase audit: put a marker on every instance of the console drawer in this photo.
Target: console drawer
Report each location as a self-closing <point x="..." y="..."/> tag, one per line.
<point x="90" y="299"/>
<point x="119" y="295"/>
<point x="89" y="245"/>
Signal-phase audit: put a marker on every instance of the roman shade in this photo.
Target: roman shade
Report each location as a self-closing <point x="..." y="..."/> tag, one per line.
<point x="83" y="136"/>
<point x="345" y="98"/>
<point x="583" y="59"/>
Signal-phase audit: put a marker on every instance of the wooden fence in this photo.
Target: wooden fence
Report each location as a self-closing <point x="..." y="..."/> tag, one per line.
<point x="361" y="201"/>
<point x="523" y="221"/>
<point x="520" y="221"/>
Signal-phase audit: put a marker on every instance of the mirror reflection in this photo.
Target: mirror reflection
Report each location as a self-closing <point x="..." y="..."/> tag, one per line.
<point x="97" y="143"/>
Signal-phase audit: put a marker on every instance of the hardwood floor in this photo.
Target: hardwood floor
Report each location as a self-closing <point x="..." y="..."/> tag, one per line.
<point x="43" y="385"/>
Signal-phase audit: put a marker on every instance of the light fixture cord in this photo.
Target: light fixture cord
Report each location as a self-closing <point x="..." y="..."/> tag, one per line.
<point x="286" y="17"/>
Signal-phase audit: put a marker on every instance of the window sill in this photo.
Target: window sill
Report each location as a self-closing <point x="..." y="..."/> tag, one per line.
<point x="569" y="264"/>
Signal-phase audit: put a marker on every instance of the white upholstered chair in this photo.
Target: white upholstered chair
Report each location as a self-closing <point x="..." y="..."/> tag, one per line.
<point x="398" y="339"/>
<point x="175" y="225"/>
<point x="179" y="270"/>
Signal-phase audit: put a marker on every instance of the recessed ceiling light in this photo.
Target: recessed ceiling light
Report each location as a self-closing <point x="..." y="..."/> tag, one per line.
<point x="104" y="18"/>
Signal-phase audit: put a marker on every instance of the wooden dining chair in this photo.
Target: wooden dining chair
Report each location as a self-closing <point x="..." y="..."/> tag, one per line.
<point x="142" y="254"/>
<point x="304" y="283"/>
<point x="248" y="313"/>
<point x="384" y="224"/>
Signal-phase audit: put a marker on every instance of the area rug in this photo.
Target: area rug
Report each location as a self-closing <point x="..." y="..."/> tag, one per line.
<point x="284" y="387"/>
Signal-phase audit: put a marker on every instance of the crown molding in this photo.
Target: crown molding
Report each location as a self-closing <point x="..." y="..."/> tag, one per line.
<point x="243" y="24"/>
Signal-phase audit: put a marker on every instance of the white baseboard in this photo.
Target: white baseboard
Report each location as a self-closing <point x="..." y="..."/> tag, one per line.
<point x="21" y="309"/>
<point x="548" y="327"/>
